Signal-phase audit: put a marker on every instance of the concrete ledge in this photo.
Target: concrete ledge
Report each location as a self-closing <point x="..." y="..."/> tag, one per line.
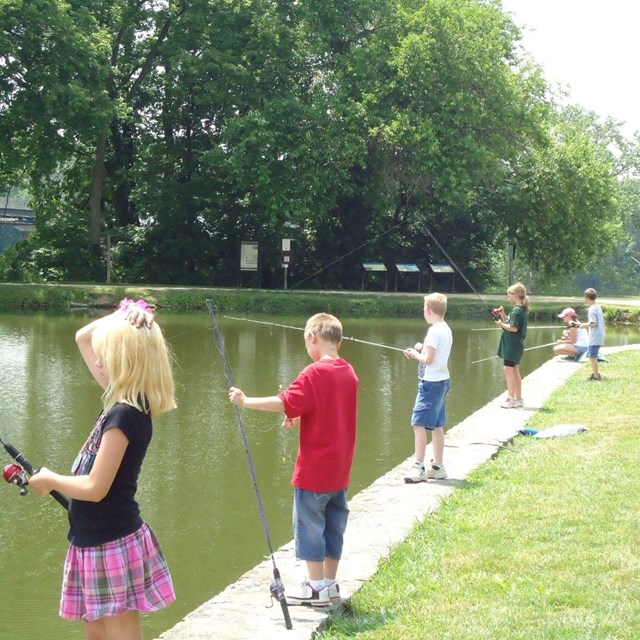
<point x="382" y="515"/>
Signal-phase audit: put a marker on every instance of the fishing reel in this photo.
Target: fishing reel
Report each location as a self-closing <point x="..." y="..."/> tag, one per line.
<point x="16" y="475"/>
<point x="277" y="593"/>
<point x="276" y="588"/>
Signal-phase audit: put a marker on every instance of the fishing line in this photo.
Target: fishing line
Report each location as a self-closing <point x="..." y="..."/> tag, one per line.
<point x="276" y="588"/>
<point x="346" y="255"/>
<point x="288" y="326"/>
<point x="548" y="344"/>
<point x="454" y="265"/>
<point x="556" y="326"/>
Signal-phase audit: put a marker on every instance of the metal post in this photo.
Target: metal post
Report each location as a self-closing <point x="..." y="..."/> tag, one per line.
<point x="511" y="252"/>
<point x="108" y="258"/>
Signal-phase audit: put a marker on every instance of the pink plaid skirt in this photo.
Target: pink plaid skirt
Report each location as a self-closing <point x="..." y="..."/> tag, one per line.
<point x="128" y="574"/>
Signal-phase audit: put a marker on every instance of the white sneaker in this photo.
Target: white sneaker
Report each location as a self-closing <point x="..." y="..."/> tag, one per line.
<point x="507" y="404"/>
<point x="334" y="593"/>
<point x="416" y="473"/>
<point x="436" y="471"/>
<point x="310" y="596"/>
<point x="517" y="403"/>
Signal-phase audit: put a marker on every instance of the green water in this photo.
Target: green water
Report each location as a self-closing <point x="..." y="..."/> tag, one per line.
<point x="195" y="487"/>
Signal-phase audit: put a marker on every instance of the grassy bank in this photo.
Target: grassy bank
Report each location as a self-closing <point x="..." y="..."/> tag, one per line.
<point x="61" y="298"/>
<point x="540" y="543"/>
<point x="189" y="299"/>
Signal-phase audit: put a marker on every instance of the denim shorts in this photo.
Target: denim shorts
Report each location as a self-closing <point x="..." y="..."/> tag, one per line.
<point x="429" y="410"/>
<point x="592" y="351"/>
<point x="319" y="523"/>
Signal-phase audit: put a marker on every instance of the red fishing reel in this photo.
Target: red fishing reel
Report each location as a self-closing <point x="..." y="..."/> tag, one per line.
<point x="15" y="474"/>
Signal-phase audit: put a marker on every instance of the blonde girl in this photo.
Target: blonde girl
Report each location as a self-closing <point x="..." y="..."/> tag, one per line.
<point x="511" y="347"/>
<point x="114" y="567"/>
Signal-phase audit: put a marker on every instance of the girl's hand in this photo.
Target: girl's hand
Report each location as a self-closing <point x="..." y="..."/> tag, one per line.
<point x="139" y="317"/>
<point x="41" y="482"/>
<point x="411" y="354"/>
<point x="237" y="396"/>
<point x="138" y="313"/>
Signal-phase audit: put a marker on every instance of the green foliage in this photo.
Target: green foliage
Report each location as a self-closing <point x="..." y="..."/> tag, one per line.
<point x="345" y="128"/>
<point x="565" y="189"/>
<point x="31" y="297"/>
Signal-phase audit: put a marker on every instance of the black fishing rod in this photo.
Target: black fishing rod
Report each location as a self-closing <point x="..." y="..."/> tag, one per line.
<point x="494" y="312"/>
<point x="276" y="588"/>
<point x="18" y="474"/>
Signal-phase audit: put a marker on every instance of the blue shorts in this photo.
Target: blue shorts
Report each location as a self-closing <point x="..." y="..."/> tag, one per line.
<point x="429" y="410"/>
<point x="580" y="350"/>
<point x="592" y="351"/>
<point x="319" y="523"/>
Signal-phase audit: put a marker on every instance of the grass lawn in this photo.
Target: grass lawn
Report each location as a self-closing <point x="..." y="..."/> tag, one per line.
<point x="541" y="542"/>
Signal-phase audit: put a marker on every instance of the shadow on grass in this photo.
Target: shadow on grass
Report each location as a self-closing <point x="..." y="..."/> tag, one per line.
<point x="350" y="621"/>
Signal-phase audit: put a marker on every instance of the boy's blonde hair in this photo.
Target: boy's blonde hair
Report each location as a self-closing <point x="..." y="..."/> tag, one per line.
<point x="137" y="361"/>
<point x="437" y="302"/>
<point x="520" y="292"/>
<point x="325" y="326"/>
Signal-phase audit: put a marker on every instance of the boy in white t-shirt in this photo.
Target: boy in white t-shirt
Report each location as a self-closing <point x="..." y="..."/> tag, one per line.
<point x="434" y="382"/>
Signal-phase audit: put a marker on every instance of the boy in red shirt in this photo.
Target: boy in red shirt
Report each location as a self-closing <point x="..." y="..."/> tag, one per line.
<point x="322" y="402"/>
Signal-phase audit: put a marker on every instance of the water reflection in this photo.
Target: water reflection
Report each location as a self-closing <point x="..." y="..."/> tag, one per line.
<point x="195" y="489"/>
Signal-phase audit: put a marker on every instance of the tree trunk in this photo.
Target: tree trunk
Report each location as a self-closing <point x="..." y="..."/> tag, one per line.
<point x="95" y="195"/>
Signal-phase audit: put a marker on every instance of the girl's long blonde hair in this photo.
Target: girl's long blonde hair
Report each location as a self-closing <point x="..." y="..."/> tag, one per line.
<point x="138" y="363"/>
<point x="520" y="292"/>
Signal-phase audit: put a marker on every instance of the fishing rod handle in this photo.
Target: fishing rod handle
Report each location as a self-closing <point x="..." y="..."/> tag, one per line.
<point x="23" y="462"/>
<point x="56" y="495"/>
<point x="285" y="613"/>
<point x="28" y="467"/>
<point x="60" y="499"/>
<point x="278" y="591"/>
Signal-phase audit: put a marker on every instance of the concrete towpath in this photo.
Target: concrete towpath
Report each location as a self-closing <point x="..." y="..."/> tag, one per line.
<point x="382" y="515"/>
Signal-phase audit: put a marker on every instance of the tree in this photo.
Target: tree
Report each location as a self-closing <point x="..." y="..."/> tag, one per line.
<point x="350" y="127"/>
<point x="565" y="189"/>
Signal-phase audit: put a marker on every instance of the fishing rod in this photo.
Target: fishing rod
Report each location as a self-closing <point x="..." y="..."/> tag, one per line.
<point x="287" y="326"/>
<point x="528" y="349"/>
<point x="346" y="255"/>
<point x="556" y="326"/>
<point x="494" y="313"/>
<point x="18" y="474"/>
<point x="277" y="587"/>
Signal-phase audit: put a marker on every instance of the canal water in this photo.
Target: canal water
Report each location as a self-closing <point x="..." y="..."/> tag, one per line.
<point x="195" y="488"/>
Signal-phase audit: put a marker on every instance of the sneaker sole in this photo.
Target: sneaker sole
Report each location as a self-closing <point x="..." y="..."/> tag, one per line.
<point x="309" y="603"/>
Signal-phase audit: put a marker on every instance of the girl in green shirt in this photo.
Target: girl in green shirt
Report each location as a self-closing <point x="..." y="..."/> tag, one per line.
<point x="511" y="347"/>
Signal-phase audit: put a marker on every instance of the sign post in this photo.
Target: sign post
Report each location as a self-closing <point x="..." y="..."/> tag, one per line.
<point x="286" y="258"/>
<point x="249" y="258"/>
<point x="511" y="256"/>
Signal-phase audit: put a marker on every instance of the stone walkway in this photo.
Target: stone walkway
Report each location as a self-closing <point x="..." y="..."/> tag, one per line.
<point x="382" y="515"/>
